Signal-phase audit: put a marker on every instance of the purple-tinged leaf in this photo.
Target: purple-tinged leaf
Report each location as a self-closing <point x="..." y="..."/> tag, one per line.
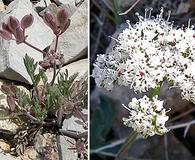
<point x="11" y="102"/>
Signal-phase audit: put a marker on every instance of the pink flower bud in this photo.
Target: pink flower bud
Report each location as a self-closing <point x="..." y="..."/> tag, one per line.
<point x="5" y="34"/>
<point x="19" y="35"/>
<point x="44" y="64"/>
<point x="62" y="18"/>
<point x="5" y="27"/>
<point x="50" y="20"/>
<point x="13" y="24"/>
<point x="65" y="27"/>
<point x="27" y="21"/>
<point x="62" y="60"/>
<point x="11" y="102"/>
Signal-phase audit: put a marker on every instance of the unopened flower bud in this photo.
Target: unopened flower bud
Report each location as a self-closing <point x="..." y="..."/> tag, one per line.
<point x="19" y="35"/>
<point x="65" y="27"/>
<point x="13" y="24"/>
<point x="27" y="21"/>
<point x="62" y="18"/>
<point x="50" y="20"/>
<point x="5" y="34"/>
<point x="44" y="64"/>
<point x="5" y="27"/>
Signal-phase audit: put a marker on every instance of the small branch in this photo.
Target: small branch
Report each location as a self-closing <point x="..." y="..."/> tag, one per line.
<point x="26" y="114"/>
<point x="111" y="145"/>
<point x="182" y="125"/>
<point x="182" y="115"/>
<point x="30" y="45"/>
<point x="126" y="146"/>
<point x="31" y="117"/>
<point x="127" y="11"/>
<point x="80" y="114"/>
<point x="73" y="135"/>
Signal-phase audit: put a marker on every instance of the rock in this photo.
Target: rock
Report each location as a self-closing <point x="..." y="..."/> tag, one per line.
<point x="8" y="157"/>
<point x="43" y="3"/>
<point x="11" y="57"/>
<point x="40" y="142"/>
<point x="2" y="6"/>
<point x="30" y="153"/>
<point x="73" y="43"/>
<point x="4" y="146"/>
<point x="79" y="66"/>
<point x="71" y="124"/>
<point x="74" y="124"/>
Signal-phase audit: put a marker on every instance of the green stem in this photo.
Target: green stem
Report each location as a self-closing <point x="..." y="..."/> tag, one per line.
<point x="126" y="146"/>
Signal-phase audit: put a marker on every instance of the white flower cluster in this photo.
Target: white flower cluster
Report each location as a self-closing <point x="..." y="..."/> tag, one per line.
<point x="147" y="117"/>
<point x="146" y="54"/>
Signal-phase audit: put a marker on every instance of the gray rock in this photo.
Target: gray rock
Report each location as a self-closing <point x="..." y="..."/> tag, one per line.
<point x="76" y="3"/>
<point x="70" y="124"/>
<point x="79" y="66"/>
<point x="7" y="157"/>
<point x="73" y="43"/>
<point x="11" y="54"/>
<point x="43" y="3"/>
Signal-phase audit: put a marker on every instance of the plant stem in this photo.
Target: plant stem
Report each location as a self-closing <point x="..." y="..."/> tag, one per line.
<point x="39" y="50"/>
<point x="56" y="44"/>
<point x="54" y="74"/>
<point x="80" y="114"/>
<point x="126" y="146"/>
<point x="54" y="65"/>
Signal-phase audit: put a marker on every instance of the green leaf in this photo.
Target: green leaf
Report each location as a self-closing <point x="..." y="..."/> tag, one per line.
<point x="30" y="67"/>
<point x="101" y="122"/>
<point x="186" y="53"/>
<point x="155" y="91"/>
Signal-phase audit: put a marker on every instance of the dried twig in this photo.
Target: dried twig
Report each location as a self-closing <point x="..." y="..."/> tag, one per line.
<point x="182" y="115"/>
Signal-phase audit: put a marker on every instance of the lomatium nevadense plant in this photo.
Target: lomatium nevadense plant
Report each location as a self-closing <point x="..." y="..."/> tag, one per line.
<point x="146" y="54"/>
<point x="49" y="103"/>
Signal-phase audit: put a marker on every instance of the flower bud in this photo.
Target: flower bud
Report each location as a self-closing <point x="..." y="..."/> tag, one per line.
<point x="62" y="18"/>
<point x="5" y="27"/>
<point x="11" y="102"/>
<point x="13" y="24"/>
<point x="50" y="20"/>
<point x="65" y="27"/>
<point x="5" y="34"/>
<point x="19" y="35"/>
<point x="27" y="21"/>
<point x="44" y="64"/>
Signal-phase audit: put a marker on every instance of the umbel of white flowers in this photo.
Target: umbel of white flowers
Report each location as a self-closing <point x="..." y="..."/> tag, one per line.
<point x="145" y="54"/>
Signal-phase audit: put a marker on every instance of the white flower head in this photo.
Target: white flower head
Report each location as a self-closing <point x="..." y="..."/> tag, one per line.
<point x="147" y="52"/>
<point x="147" y="117"/>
